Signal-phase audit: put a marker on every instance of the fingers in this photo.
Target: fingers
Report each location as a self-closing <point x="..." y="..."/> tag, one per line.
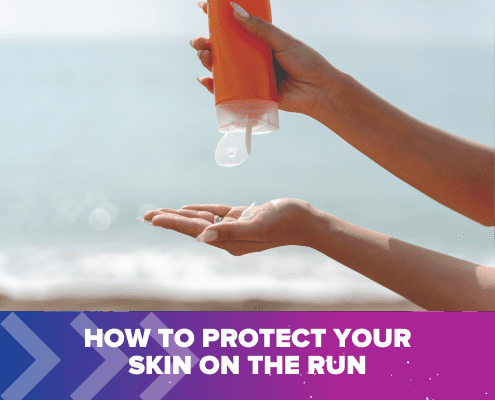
<point x="235" y="212"/>
<point x="216" y="209"/>
<point x="200" y="43"/>
<point x="202" y="46"/>
<point x="229" y="231"/>
<point x="207" y="83"/>
<point x="205" y="58"/>
<point x="207" y="216"/>
<point x="227" y="212"/>
<point x="187" y="226"/>
<point x="229" y="219"/>
<point x="204" y="6"/>
<point x="275" y="37"/>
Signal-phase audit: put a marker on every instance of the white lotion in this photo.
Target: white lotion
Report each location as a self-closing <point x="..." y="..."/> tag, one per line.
<point x="248" y="213"/>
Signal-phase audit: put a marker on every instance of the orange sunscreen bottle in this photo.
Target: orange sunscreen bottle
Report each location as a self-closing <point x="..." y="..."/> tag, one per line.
<point x="243" y="80"/>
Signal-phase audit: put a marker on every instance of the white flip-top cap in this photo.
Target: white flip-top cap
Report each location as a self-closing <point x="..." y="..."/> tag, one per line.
<point x="238" y="119"/>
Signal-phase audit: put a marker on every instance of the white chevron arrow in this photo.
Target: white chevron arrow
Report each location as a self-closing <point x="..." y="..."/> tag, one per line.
<point x="115" y="360"/>
<point x="44" y="359"/>
<point x="159" y="388"/>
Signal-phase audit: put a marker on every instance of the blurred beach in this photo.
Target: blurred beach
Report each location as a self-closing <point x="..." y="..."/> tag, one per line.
<point x="198" y="278"/>
<point x="142" y="304"/>
<point x="96" y="130"/>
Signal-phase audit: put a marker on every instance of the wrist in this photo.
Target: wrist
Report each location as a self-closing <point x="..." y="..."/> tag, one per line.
<point x="331" y="92"/>
<point x="316" y="226"/>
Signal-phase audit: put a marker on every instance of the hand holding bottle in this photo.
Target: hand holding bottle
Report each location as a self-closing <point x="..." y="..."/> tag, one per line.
<point x="302" y="73"/>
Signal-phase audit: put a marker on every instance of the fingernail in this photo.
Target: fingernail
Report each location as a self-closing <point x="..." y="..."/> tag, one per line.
<point x="199" y="79"/>
<point x="191" y="43"/>
<point x="200" y="4"/>
<point x="144" y="221"/>
<point x="240" y="11"/>
<point x="208" y="236"/>
<point x="199" y="54"/>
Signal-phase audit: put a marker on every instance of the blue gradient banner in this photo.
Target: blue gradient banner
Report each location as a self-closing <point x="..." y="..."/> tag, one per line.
<point x="234" y="355"/>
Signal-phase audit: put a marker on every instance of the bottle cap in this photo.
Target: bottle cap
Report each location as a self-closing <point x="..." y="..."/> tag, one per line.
<point x="239" y="119"/>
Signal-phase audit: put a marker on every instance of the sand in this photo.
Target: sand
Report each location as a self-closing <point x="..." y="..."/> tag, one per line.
<point x="154" y="304"/>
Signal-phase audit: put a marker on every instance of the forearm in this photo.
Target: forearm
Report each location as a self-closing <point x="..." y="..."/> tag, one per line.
<point x="429" y="279"/>
<point x="454" y="171"/>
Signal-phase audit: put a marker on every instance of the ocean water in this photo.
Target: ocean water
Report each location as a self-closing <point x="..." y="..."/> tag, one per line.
<point x="94" y="133"/>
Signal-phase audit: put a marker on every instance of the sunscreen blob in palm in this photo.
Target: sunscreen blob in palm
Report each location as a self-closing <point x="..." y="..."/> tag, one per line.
<point x="243" y="79"/>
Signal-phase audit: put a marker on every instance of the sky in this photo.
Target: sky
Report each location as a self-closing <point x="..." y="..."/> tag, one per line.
<point x="88" y="121"/>
<point x="440" y="19"/>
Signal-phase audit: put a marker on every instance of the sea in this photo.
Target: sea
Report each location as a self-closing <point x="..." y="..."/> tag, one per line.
<point x="95" y="132"/>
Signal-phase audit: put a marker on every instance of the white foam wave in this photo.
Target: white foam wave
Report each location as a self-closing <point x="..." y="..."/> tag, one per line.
<point x="183" y="274"/>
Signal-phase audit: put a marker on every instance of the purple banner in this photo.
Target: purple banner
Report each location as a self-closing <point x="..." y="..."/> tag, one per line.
<point x="233" y="355"/>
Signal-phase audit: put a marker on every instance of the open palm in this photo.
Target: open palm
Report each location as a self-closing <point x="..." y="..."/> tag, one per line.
<point x="274" y="224"/>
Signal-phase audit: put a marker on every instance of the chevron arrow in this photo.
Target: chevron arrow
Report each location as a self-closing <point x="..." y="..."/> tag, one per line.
<point x="44" y="359"/>
<point x="162" y="385"/>
<point x="115" y="360"/>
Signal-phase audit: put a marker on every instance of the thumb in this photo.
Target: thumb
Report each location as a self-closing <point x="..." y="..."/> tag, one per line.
<point x="226" y="232"/>
<point x="275" y="37"/>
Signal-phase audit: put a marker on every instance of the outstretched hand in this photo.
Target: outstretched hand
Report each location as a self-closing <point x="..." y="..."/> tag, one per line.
<point x="302" y="73"/>
<point x="274" y="224"/>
